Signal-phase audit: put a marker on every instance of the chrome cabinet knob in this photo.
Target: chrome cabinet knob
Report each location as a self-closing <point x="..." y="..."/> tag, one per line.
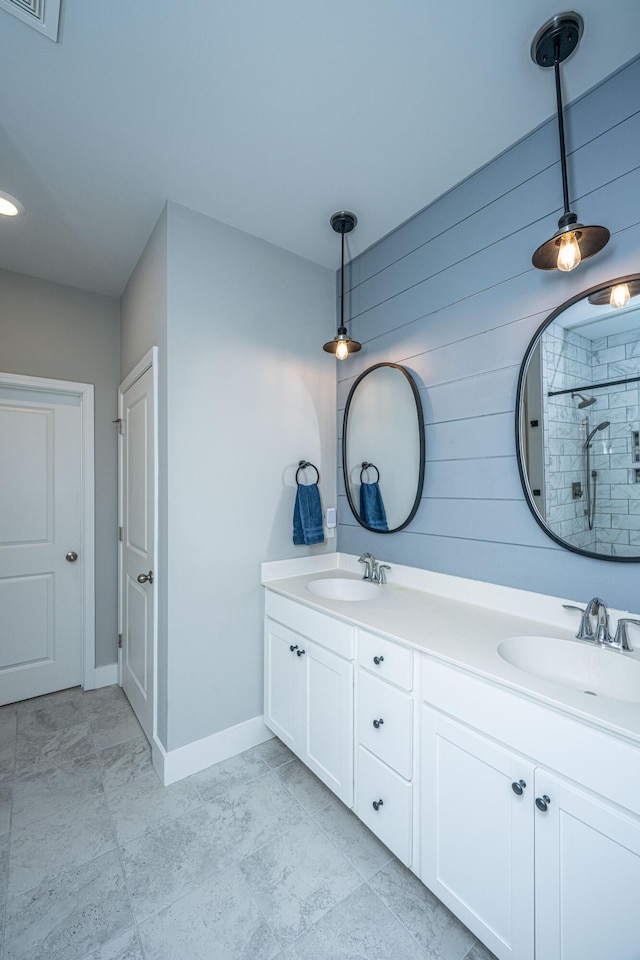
<point x="378" y="723"/>
<point x="72" y="556"/>
<point x="145" y="577"/>
<point x="542" y="803"/>
<point x="518" y="787"/>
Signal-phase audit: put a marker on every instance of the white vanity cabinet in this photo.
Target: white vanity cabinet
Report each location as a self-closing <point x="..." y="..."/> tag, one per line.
<point x="385" y="735"/>
<point x="309" y="689"/>
<point x="477" y="833"/>
<point x="535" y="864"/>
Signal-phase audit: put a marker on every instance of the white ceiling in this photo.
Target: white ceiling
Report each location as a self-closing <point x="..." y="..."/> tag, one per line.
<point x="266" y="114"/>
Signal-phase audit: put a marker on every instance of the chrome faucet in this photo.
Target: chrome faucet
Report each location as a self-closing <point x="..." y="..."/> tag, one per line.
<point x="602" y="625"/>
<point x="370" y="565"/>
<point x="597" y="608"/>
<point x="379" y="573"/>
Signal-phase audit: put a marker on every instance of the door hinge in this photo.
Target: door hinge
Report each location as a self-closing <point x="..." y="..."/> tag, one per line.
<point x="121" y="533"/>
<point x="119" y="641"/>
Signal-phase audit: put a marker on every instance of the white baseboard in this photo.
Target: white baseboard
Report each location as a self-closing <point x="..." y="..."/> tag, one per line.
<point x="105" y="676"/>
<point x="173" y="765"/>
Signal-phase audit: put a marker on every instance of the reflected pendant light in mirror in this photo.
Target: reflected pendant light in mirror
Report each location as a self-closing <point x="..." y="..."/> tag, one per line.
<point x="578" y="423"/>
<point x="342" y="344"/>
<point x="572" y="242"/>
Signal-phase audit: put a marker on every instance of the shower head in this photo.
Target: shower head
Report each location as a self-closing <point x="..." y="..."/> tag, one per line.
<point x="584" y="401"/>
<point x="601" y="426"/>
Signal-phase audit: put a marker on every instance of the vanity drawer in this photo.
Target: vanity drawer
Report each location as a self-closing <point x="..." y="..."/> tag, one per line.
<point x="386" y="659"/>
<point x="392" y="711"/>
<point x="330" y="633"/>
<point x="392" y="820"/>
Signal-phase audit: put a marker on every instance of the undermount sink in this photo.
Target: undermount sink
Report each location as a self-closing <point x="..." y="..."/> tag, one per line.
<point x="342" y="588"/>
<point x="578" y="665"/>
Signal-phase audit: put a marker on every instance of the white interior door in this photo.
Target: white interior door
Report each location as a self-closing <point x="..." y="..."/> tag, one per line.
<point x="41" y="574"/>
<point x="137" y="588"/>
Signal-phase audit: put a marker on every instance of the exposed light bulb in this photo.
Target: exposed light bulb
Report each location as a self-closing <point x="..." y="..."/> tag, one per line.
<point x="620" y="295"/>
<point x="569" y="252"/>
<point x="342" y="350"/>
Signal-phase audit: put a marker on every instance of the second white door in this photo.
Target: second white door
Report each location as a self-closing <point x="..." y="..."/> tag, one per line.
<point x="137" y="587"/>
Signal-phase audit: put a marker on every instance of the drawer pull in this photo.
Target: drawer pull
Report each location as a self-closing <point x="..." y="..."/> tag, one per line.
<point x="293" y="646"/>
<point x="299" y="653"/>
<point x="378" y="661"/>
<point x="377" y="804"/>
<point x="518" y="787"/>
<point x="378" y="723"/>
<point x="542" y="803"/>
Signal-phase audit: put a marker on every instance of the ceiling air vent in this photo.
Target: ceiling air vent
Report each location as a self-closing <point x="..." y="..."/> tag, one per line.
<point x="42" y="15"/>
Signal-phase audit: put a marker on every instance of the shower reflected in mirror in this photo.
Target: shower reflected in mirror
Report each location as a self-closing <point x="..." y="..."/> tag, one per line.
<point x="578" y="423"/>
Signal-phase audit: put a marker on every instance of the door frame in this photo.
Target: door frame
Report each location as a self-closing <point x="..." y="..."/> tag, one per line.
<point x="148" y="361"/>
<point x="85" y="392"/>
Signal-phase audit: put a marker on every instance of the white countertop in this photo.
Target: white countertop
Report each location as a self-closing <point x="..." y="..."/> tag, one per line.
<point x="461" y="633"/>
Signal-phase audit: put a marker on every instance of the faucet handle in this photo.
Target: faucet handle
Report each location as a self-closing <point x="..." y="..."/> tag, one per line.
<point x="382" y="577"/>
<point x="585" y="630"/>
<point x="621" y="638"/>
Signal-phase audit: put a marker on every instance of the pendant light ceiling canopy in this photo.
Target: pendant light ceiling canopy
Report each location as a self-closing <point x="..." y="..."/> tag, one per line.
<point x="342" y="344"/>
<point x="572" y="242"/>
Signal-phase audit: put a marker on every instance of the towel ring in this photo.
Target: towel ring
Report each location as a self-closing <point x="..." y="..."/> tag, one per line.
<point x="303" y="466"/>
<point x="369" y="466"/>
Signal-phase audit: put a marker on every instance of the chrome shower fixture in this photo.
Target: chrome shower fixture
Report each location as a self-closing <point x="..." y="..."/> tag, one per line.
<point x="601" y="426"/>
<point x="585" y="401"/>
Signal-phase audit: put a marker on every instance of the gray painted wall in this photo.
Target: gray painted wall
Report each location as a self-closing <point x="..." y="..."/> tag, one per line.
<point x="250" y="393"/>
<point x="452" y="295"/>
<point x="54" y="331"/>
<point x="245" y="392"/>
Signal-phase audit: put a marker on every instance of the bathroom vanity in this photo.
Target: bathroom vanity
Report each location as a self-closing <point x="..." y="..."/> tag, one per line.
<point x="515" y="797"/>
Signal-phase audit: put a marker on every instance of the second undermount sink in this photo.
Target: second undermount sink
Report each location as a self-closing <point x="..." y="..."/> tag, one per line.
<point x="578" y="665"/>
<point x="344" y="588"/>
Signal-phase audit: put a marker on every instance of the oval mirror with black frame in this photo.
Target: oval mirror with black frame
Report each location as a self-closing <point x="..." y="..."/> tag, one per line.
<point x="383" y="448"/>
<point x="578" y="422"/>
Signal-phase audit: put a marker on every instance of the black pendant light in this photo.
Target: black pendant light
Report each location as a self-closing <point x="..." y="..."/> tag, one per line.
<point x="573" y="242"/>
<point x="342" y="344"/>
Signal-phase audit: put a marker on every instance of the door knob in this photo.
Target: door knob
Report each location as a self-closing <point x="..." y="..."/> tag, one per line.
<point x="145" y="577"/>
<point x="378" y="723"/>
<point x="300" y="653"/>
<point x="293" y="646"/>
<point x="542" y="803"/>
<point x="518" y="787"/>
<point x="72" y="556"/>
<point x="377" y="804"/>
<point x="378" y="661"/>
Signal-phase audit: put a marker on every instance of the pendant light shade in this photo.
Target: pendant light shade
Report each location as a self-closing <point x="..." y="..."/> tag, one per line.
<point x="617" y="295"/>
<point x="342" y="344"/>
<point x="572" y="242"/>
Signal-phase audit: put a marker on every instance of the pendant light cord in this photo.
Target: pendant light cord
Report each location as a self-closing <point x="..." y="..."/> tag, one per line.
<point x="563" y="157"/>
<point x="342" y="283"/>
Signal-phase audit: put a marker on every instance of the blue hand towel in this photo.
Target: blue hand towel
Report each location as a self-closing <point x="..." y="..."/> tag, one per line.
<point x="372" y="510"/>
<point x="307" y="515"/>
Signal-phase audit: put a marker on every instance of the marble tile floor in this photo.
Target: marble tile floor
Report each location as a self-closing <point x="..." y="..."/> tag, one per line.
<point x="251" y="859"/>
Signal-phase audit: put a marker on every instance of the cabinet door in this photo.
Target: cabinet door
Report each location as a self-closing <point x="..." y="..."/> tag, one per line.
<point x="282" y="683"/>
<point x="477" y="834"/>
<point x="587" y="876"/>
<point x="328" y="719"/>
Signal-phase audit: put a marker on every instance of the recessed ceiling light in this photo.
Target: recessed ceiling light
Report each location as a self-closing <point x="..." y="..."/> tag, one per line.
<point x="9" y="206"/>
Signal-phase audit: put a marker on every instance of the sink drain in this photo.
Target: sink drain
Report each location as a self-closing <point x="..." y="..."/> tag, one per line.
<point x="590" y="692"/>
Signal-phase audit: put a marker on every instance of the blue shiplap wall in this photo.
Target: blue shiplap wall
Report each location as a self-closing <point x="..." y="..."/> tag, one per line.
<point x="452" y="296"/>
